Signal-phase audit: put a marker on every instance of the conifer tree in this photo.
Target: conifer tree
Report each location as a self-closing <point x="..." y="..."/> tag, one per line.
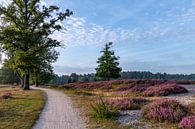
<point x="108" y="65"/>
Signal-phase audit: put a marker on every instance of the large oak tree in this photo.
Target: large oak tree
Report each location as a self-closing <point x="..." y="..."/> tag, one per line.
<point x="25" y="38"/>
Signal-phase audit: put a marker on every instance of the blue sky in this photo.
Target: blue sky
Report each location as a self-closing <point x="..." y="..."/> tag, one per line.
<point x="148" y="35"/>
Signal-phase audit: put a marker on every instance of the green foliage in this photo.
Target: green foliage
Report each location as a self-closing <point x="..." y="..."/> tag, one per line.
<point x="103" y="111"/>
<point x="25" y="36"/>
<point x="108" y="64"/>
<point x="8" y="76"/>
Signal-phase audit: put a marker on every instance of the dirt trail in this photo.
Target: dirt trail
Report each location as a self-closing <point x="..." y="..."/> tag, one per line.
<point x="185" y="98"/>
<point x="59" y="113"/>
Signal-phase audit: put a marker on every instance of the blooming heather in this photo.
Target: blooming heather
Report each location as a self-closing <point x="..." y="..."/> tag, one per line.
<point x="164" y="90"/>
<point x="127" y="103"/>
<point x="6" y="96"/>
<point x="187" y="122"/>
<point x="164" y="110"/>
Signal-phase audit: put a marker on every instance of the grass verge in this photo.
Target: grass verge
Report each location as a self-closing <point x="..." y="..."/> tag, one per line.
<point x="22" y="109"/>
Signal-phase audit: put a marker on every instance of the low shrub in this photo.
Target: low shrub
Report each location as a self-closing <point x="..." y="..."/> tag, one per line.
<point x="103" y="111"/>
<point x="164" y="90"/>
<point x="118" y="83"/>
<point x="187" y="122"/>
<point x="124" y="87"/>
<point x="164" y="110"/>
<point x="127" y="103"/>
<point x="6" y="96"/>
<point x="138" y="88"/>
<point x="185" y="82"/>
<point x="191" y="108"/>
<point x="91" y="85"/>
<point x="82" y="93"/>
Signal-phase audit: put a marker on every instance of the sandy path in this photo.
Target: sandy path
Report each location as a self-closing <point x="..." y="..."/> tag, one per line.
<point x="59" y="113"/>
<point x="185" y="98"/>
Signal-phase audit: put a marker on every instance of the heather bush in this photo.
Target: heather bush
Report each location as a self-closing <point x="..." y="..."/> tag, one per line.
<point x="125" y="84"/>
<point x="191" y="108"/>
<point x="91" y="85"/>
<point x="164" y="90"/>
<point x="124" y="87"/>
<point x="6" y="96"/>
<point x="103" y="111"/>
<point x="117" y="82"/>
<point x="82" y="93"/>
<point x="164" y="110"/>
<point x="127" y="103"/>
<point x="187" y="122"/>
<point x="138" y="88"/>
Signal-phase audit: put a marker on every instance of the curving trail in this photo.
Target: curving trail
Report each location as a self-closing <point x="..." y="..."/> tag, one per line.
<point x="59" y="113"/>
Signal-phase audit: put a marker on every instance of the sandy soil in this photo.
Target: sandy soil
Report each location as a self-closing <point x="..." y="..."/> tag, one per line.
<point x="59" y="113"/>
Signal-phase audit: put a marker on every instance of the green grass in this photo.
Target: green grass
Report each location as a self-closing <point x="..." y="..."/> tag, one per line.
<point x="22" y="109"/>
<point x="103" y="111"/>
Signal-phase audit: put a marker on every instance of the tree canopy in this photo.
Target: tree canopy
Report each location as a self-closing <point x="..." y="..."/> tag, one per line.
<point x="108" y="65"/>
<point x="25" y="38"/>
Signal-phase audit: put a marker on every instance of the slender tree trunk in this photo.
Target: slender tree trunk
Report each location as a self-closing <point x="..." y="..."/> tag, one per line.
<point x="36" y="82"/>
<point x="26" y="82"/>
<point x="108" y="78"/>
<point x="22" y="82"/>
<point x="21" y="78"/>
<point x="36" y="79"/>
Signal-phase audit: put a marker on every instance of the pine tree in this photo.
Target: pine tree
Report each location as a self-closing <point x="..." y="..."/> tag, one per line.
<point x="108" y="65"/>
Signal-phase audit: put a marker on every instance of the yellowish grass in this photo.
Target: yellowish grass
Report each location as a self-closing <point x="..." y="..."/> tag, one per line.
<point x="22" y="109"/>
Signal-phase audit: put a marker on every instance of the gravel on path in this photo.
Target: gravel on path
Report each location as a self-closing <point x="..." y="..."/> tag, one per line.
<point x="59" y="113"/>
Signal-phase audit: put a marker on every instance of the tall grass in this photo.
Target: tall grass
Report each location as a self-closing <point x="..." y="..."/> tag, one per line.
<point x="103" y="111"/>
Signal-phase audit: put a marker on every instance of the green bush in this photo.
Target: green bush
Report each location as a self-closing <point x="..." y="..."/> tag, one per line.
<point x="103" y="111"/>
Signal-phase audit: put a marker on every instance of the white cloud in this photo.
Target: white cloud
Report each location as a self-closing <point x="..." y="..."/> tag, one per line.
<point x="80" y="32"/>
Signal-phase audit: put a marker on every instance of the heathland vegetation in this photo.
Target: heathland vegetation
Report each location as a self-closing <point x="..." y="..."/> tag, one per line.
<point x="105" y="100"/>
<point x="103" y="97"/>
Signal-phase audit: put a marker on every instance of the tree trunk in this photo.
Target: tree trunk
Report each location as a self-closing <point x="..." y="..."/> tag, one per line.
<point x="22" y="82"/>
<point x="36" y="83"/>
<point x="36" y="79"/>
<point x="26" y="82"/>
<point x="108" y="78"/>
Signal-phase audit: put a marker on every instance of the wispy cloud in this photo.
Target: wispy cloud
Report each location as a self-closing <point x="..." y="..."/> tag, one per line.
<point x="81" y="32"/>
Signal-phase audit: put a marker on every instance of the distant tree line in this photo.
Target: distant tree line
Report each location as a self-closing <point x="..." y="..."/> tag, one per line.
<point x="8" y="76"/>
<point x="150" y="75"/>
<point x="124" y="75"/>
